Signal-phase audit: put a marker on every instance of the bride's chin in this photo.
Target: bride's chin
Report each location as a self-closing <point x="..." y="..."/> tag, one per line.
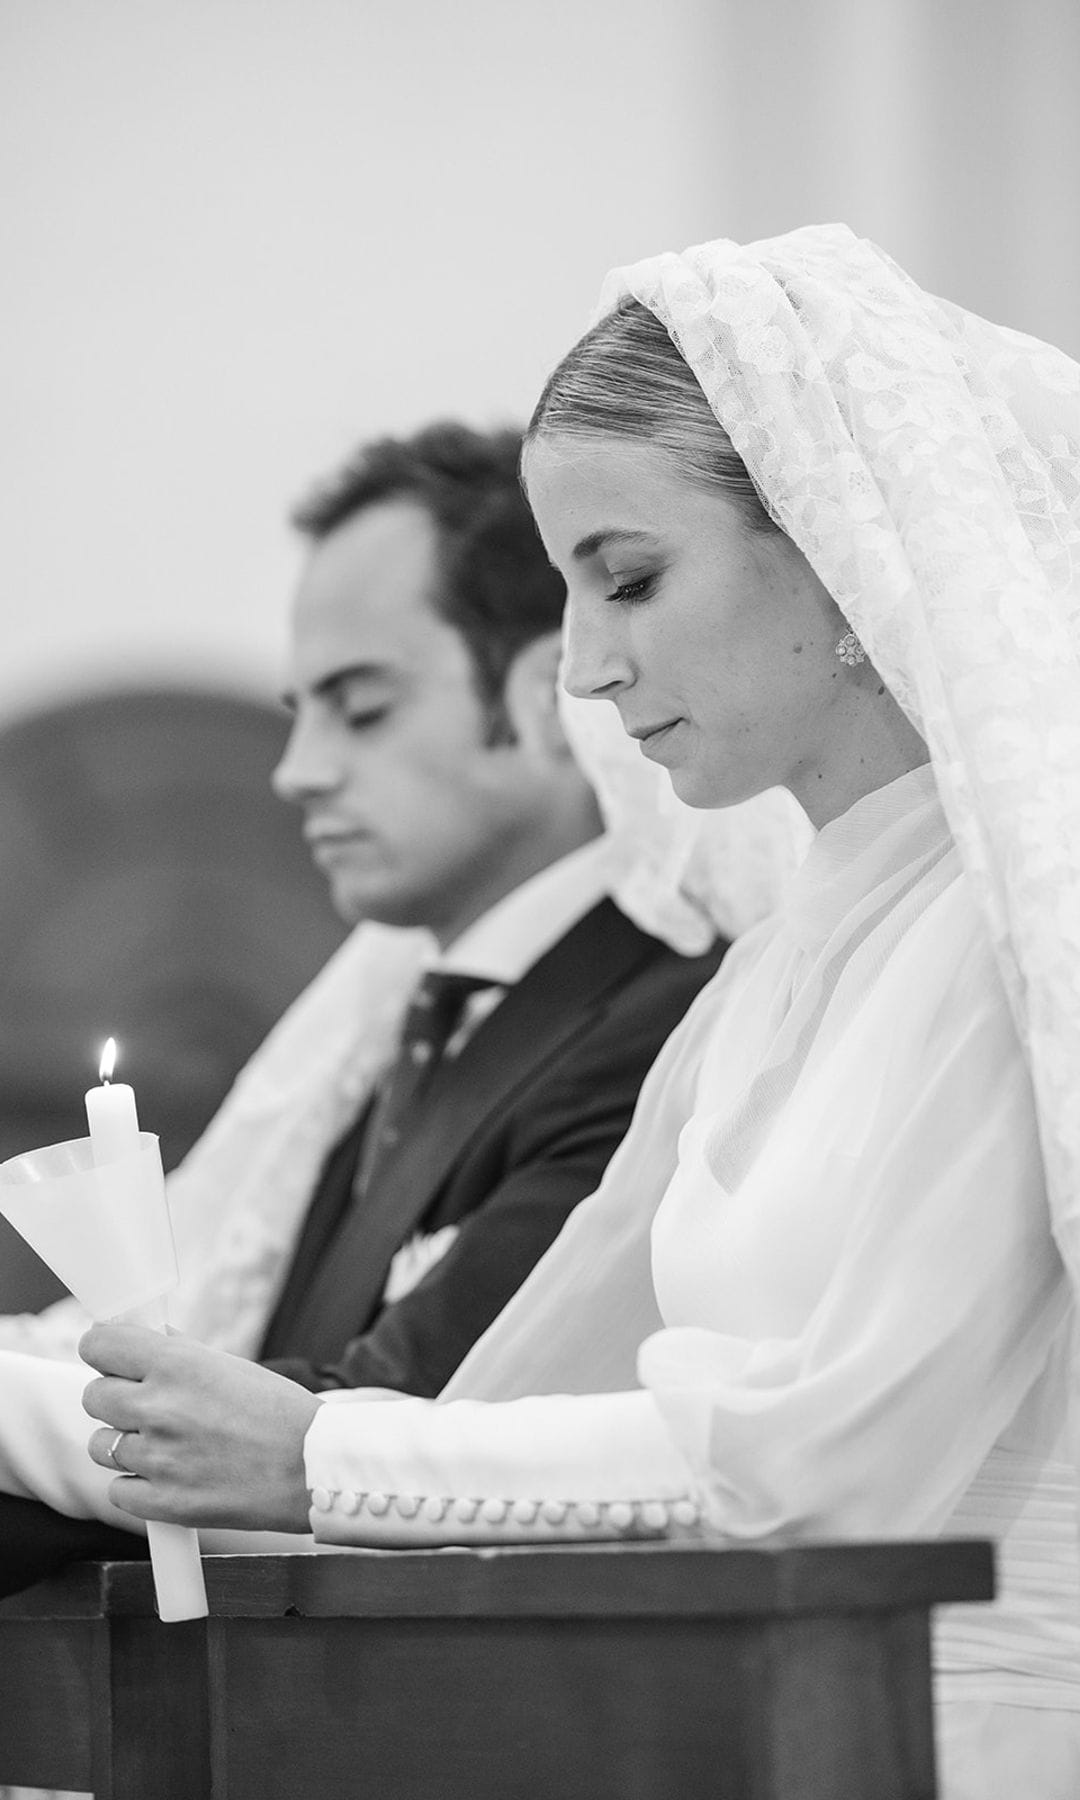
<point x="707" y="792"/>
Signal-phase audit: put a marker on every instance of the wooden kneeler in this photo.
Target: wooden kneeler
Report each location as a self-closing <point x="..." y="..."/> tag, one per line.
<point x="621" y="1672"/>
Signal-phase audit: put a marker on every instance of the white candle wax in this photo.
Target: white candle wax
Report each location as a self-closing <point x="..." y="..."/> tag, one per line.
<point x="113" y="1121"/>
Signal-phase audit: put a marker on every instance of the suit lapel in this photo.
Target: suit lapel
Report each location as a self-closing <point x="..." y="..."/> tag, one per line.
<point x="554" y="1002"/>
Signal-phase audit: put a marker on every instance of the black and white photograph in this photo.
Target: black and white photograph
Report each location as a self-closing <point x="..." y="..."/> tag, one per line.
<point x="540" y="900"/>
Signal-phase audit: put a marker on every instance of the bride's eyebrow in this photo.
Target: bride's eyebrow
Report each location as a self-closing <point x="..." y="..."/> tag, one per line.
<point x="611" y="534"/>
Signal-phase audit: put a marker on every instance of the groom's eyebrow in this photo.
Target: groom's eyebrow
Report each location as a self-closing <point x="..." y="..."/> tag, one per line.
<point x="330" y="686"/>
<point x="611" y="534"/>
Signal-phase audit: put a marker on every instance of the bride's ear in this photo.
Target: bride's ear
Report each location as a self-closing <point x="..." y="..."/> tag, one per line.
<point x="531" y="696"/>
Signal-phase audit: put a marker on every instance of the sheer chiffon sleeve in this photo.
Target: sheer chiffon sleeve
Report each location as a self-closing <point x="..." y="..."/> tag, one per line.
<point x="900" y="1319"/>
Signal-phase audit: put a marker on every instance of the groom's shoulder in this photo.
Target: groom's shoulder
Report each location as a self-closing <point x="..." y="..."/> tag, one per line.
<point x="625" y="989"/>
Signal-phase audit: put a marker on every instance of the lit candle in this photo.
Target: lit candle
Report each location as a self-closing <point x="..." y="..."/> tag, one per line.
<point x="174" y="1549"/>
<point x="114" y="1134"/>
<point x="111" y="1114"/>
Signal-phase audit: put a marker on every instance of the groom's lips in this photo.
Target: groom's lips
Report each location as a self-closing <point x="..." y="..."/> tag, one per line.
<point x="324" y="841"/>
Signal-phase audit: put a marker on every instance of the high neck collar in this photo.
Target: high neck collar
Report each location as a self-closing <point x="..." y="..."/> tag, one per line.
<point x="884" y="834"/>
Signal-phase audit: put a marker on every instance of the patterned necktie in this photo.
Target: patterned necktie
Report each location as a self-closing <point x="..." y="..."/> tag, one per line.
<point x="433" y="1016"/>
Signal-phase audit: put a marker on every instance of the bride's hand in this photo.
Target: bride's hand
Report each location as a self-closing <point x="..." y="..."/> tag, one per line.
<point x="208" y="1439"/>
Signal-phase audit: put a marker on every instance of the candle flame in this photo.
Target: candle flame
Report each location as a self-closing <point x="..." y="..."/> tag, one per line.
<point x="108" y="1060"/>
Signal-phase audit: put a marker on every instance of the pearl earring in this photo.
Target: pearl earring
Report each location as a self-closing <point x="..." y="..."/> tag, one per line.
<point x="849" y="650"/>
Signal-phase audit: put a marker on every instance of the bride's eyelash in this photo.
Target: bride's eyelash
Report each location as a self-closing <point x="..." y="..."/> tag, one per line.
<point x="631" y="592"/>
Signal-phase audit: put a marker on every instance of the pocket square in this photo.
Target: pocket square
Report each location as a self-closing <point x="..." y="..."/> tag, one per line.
<point x="413" y="1261"/>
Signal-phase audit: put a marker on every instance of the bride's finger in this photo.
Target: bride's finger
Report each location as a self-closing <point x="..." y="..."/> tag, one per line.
<point x="131" y="1494"/>
<point x="113" y="1401"/>
<point x="120" y="1451"/>
<point x="120" y="1349"/>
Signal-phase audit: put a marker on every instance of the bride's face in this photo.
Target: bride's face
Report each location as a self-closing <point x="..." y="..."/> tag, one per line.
<point x="715" y="643"/>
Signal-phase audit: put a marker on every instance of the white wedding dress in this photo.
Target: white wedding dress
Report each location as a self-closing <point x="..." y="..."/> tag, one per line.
<point x="828" y="1223"/>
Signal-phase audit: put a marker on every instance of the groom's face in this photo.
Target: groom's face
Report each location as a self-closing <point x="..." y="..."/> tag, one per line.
<point x="410" y="811"/>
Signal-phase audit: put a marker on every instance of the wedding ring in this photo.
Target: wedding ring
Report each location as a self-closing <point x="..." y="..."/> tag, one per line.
<point x="112" y="1456"/>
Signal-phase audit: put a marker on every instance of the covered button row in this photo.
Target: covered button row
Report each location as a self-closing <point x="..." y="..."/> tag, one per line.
<point x="658" y="1515"/>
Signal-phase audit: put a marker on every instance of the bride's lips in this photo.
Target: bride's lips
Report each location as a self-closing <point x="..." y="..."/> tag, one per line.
<point x="655" y="739"/>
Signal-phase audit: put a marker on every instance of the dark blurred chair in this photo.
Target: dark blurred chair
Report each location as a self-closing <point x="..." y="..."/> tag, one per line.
<point x="152" y="889"/>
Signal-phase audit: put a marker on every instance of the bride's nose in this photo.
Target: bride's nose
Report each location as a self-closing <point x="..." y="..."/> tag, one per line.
<point x="593" y="665"/>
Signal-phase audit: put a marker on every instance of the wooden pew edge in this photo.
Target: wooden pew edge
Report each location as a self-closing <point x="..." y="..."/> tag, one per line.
<point x="600" y="1580"/>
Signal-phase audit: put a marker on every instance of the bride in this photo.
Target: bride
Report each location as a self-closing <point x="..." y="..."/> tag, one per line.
<point x="820" y="533"/>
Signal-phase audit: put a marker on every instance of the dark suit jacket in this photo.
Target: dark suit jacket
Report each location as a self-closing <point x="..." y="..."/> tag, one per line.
<point x="505" y="1141"/>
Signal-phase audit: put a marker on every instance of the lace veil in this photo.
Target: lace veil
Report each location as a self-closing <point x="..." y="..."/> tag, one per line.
<point x="927" y="464"/>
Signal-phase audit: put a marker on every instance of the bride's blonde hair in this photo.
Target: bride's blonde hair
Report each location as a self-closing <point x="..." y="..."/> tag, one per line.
<point x="626" y="378"/>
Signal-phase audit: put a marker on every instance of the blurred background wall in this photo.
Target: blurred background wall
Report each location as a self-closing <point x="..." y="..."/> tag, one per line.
<point x="240" y="235"/>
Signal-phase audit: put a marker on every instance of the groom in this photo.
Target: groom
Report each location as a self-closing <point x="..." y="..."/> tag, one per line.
<point x="437" y="789"/>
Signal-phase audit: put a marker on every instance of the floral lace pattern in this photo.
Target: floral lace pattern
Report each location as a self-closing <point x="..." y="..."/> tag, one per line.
<point x="927" y="464"/>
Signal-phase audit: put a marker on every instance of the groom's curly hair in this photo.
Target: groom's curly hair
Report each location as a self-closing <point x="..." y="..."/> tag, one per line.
<point x="495" y="584"/>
